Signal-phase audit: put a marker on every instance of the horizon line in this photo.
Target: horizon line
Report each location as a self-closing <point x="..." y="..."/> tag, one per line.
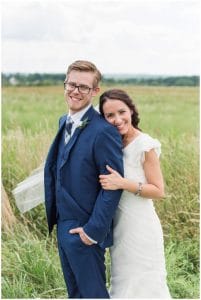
<point x="106" y="74"/>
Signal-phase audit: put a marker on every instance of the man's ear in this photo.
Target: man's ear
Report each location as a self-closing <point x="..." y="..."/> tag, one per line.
<point x="95" y="91"/>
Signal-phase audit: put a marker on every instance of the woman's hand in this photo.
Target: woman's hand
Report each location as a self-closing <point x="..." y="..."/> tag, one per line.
<point x="112" y="181"/>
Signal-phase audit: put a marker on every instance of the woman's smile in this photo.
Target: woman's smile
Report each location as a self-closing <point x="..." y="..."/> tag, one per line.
<point x="118" y="114"/>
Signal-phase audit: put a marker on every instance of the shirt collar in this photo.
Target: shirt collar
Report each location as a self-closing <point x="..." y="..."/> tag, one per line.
<point x="78" y="116"/>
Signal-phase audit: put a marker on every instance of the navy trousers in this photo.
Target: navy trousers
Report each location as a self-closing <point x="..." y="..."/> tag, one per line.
<point x="83" y="266"/>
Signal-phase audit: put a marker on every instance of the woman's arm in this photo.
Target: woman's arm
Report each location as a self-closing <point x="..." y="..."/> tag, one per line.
<point x="154" y="188"/>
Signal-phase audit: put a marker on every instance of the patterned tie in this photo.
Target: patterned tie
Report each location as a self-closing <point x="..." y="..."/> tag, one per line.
<point x="68" y="128"/>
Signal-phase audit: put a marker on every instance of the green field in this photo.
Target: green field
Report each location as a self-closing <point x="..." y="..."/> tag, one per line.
<point x="30" y="264"/>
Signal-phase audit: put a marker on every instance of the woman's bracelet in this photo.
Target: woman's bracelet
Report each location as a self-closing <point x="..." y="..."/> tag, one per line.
<point x="138" y="192"/>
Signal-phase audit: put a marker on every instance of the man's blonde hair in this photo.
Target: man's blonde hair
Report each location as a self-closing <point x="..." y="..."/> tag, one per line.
<point x="85" y="66"/>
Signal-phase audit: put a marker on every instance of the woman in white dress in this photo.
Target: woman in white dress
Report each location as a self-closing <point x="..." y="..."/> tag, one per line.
<point x="137" y="255"/>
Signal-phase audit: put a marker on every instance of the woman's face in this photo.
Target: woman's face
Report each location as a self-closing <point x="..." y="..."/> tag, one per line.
<point x="118" y="114"/>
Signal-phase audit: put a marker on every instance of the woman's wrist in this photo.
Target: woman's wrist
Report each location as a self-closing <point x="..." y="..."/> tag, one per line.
<point x="123" y="184"/>
<point x="130" y="185"/>
<point x="126" y="184"/>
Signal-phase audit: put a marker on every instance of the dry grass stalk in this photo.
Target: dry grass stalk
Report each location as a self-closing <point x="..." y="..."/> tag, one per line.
<point x="7" y="217"/>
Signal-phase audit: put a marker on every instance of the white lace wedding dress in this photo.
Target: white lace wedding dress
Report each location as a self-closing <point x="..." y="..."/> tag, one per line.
<point x="137" y="255"/>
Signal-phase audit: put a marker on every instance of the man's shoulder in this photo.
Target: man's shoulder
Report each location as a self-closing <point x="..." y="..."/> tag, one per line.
<point x="62" y="118"/>
<point x="102" y="124"/>
<point x="101" y="127"/>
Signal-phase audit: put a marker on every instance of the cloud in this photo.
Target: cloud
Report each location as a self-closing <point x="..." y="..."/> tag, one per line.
<point x="122" y="36"/>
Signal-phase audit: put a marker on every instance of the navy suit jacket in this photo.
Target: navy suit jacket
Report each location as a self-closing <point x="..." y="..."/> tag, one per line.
<point x="85" y="157"/>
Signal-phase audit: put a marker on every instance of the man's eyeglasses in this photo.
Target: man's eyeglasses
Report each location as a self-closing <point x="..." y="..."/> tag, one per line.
<point x="71" y="86"/>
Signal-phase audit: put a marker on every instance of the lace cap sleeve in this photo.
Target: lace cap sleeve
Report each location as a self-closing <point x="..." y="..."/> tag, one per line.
<point x="148" y="144"/>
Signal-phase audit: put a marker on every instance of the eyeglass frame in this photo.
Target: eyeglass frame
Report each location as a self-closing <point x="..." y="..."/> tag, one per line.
<point x="77" y="86"/>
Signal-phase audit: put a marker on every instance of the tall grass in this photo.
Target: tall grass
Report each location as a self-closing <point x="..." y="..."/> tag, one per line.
<point x="182" y="263"/>
<point x="32" y="268"/>
<point x="29" y="122"/>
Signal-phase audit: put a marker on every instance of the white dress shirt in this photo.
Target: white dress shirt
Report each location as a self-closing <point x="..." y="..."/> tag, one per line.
<point x="76" y="118"/>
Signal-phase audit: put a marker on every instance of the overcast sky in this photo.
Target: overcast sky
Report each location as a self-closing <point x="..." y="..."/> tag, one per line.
<point x="136" y="36"/>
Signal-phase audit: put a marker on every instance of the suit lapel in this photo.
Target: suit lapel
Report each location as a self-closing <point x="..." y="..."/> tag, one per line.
<point x="88" y="115"/>
<point x="69" y="146"/>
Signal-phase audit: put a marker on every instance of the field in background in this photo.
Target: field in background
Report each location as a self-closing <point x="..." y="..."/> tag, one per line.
<point x="30" y="264"/>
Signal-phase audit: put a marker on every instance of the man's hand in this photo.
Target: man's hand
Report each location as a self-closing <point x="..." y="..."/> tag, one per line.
<point x="82" y="234"/>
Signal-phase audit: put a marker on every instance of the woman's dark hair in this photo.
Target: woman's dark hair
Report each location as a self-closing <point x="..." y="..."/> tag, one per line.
<point x="117" y="94"/>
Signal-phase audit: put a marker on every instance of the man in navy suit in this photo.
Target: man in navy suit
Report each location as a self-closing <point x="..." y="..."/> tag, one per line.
<point x="83" y="211"/>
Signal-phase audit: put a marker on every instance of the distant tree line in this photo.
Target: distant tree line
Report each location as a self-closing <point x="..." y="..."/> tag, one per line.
<point x="35" y="79"/>
<point x="157" y="81"/>
<point x="38" y="79"/>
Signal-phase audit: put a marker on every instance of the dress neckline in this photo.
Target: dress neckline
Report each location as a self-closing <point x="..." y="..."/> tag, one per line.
<point x="132" y="142"/>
